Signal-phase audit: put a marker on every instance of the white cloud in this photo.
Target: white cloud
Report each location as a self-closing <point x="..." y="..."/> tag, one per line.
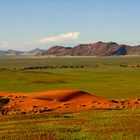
<point x="50" y="40"/>
<point x="60" y="38"/>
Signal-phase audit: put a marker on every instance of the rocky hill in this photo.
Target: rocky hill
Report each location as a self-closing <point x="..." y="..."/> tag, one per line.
<point x="95" y="49"/>
<point x="92" y="49"/>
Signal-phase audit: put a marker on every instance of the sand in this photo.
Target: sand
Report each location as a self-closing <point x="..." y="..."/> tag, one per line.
<point x="63" y="100"/>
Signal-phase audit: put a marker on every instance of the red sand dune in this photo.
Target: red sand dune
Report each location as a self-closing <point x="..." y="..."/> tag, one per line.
<point x="63" y="100"/>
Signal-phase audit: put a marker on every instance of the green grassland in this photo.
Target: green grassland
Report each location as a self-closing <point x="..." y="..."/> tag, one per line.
<point x="85" y="125"/>
<point x="100" y="76"/>
<point x="111" y="77"/>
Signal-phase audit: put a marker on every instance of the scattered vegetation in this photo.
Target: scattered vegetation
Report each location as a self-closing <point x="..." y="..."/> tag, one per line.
<point x="3" y="108"/>
<point x="52" y="67"/>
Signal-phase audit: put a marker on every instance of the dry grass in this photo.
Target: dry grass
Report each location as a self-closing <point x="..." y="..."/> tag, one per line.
<point x="92" y="124"/>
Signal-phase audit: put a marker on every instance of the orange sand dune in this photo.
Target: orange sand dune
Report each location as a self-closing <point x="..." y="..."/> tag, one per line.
<point x="63" y="100"/>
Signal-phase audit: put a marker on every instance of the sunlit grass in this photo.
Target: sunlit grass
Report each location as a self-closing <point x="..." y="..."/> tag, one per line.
<point x="92" y="124"/>
<point x="106" y="82"/>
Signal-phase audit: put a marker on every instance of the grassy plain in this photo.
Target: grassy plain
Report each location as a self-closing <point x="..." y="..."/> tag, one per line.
<point x="85" y="125"/>
<point x="111" y="77"/>
<point x="100" y="76"/>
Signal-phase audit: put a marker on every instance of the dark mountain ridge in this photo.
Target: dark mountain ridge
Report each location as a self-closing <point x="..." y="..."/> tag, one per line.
<point x="94" y="49"/>
<point x="91" y="49"/>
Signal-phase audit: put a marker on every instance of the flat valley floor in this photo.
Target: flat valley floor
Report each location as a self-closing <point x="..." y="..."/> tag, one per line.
<point x="106" y="77"/>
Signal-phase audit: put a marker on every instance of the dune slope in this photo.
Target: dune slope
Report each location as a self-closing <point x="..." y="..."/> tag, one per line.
<point x="62" y="100"/>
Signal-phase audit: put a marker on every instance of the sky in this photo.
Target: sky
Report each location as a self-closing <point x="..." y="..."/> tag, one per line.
<point x="28" y="24"/>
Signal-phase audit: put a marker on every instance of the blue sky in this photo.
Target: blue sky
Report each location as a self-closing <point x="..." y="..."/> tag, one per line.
<point x="25" y="23"/>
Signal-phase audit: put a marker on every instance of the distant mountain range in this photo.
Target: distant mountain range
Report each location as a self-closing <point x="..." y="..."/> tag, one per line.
<point x="92" y="49"/>
<point x="33" y="52"/>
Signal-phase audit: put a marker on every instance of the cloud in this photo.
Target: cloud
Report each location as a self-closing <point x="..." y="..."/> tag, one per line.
<point x="60" y="38"/>
<point x="50" y="40"/>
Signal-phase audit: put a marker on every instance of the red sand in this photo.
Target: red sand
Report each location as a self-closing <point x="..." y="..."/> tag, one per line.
<point x="63" y="100"/>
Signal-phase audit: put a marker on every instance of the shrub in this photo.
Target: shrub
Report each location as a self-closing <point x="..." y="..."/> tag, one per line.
<point x="3" y="108"/>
